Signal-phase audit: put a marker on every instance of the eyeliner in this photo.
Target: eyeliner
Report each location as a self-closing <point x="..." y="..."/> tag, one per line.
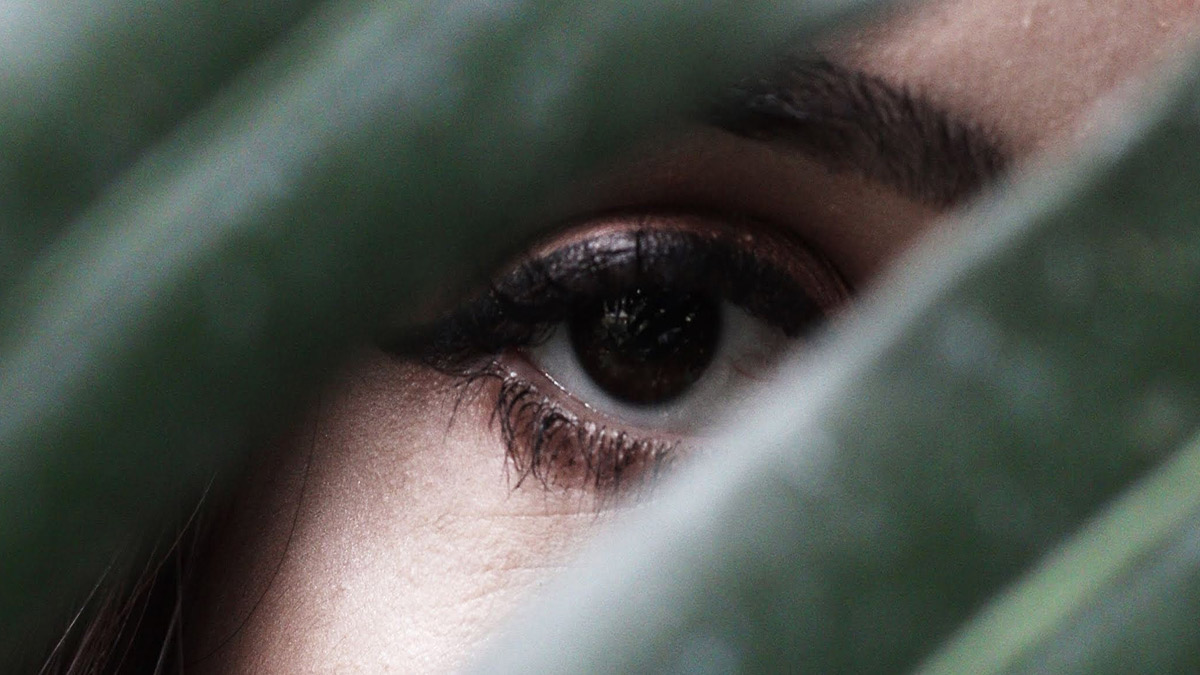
<point x="792" y="290"/>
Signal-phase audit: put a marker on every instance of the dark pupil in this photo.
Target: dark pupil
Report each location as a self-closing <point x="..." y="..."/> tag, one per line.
<point x="647" y="346"/>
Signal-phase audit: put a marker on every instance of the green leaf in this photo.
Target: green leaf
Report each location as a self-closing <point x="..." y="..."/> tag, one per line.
<point x="982" y="406"/>
<point x="384" y="151"/>
<point x="1122" y="596"/>
<point x="88" y="86"/>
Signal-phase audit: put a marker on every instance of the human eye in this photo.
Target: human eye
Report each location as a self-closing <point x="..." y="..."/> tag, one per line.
<point x="608" y="348"/>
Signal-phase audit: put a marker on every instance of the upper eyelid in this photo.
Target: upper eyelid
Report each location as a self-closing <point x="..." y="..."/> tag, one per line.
<point x="525" y="302"/>
<point x="650" y="216"/>
<point x="770" y="245"/>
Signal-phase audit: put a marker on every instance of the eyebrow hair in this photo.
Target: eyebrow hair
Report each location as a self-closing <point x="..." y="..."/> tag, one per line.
<point x="850" y="120"/>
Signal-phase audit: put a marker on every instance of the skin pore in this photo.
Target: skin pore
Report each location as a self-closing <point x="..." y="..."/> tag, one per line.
<point x="392" y="531"/>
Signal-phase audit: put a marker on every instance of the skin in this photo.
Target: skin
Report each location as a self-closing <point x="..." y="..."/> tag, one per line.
<point x="381" y="536"/>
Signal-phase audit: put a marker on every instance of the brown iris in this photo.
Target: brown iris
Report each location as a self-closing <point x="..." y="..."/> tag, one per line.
<point x="647" y="346"/>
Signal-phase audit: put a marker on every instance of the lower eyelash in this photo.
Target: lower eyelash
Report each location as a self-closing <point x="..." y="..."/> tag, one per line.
<point x="771" y="277"/>
<point x="544" y="441"/>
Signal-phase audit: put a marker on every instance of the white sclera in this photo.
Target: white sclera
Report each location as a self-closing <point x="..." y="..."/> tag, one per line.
<point x="745" y="347"/>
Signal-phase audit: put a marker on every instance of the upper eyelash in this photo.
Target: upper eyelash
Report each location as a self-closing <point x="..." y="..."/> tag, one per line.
<point x="520" y="307"/>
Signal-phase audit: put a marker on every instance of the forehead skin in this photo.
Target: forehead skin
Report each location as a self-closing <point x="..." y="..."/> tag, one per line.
<point x="1029" y="68"/>
<point x="409" y="546"/>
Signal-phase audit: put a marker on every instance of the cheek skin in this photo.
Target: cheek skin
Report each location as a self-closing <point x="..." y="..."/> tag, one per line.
<point x="409" y="542"/>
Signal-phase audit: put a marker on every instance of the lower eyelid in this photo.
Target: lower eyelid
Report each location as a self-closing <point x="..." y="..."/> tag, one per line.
<point x="548" y="441"/>
<point x="518" y="365"/>
<point x="747" y="352"/>
<point x="557" y="438"/>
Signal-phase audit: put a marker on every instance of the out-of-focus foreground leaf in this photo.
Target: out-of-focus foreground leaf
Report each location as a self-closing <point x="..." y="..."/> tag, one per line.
<point x="979" y="408"/>
<point x="87" y="86"/>
<point x="1122" y="597"/>
<point x="382" y="149"/>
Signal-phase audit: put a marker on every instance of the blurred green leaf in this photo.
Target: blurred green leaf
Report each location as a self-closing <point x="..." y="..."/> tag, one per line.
<point x="88" y="86"/>
<point x="1006" y="385"/>
<point x="381" y="150"/>
<point x="1122" y="596"/>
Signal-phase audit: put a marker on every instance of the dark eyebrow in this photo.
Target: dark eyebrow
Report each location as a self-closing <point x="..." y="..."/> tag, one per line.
<point x="849" y="120"/>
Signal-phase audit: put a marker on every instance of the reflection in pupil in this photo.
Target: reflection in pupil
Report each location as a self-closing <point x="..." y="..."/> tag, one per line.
<point x="647" y="346"/>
